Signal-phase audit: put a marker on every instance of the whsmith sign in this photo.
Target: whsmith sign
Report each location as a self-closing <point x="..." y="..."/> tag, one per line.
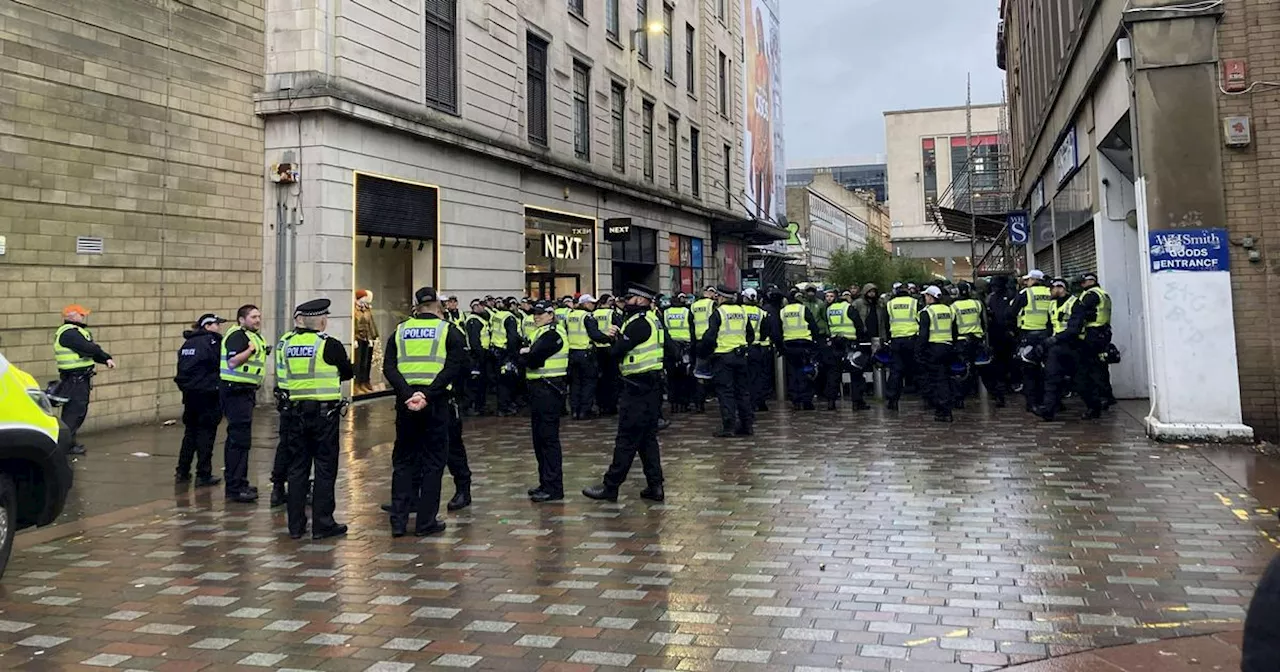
<point x="1189" y="250"/>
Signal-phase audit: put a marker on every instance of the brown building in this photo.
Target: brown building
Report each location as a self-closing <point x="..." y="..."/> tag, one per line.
<point x="1142" y="151"/>
<point x="131" y="182"/>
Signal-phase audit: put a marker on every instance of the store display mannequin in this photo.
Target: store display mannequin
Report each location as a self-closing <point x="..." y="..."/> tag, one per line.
<point x="366" y="341"/>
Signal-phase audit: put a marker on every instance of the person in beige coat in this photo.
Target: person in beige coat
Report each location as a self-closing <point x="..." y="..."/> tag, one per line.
<point x="366" y="341"/>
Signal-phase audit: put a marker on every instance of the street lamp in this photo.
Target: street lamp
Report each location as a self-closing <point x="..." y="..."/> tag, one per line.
<point x="654" y="28"/>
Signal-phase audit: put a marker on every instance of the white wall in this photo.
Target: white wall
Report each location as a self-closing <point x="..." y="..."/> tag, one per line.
<point x="1120" y="270"/>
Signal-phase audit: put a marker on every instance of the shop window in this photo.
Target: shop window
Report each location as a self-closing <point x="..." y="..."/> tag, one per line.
<point x="685" y="260"/>
<point x="635" y="260"/>
<point x="395" y="252"/>
<point x="559" y="253"/>
<point x="929" y="159"/>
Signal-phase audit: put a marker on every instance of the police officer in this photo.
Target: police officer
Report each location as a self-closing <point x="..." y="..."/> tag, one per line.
<point x="583" y="332"/>
<point x="725" y="342"/>
<point x="1002" y="334"/>
<point x="935" y="345"/>
<point x="1094" y="373"/>
<point x="197" y="377"/>
<point x="971" y="329"/>
<point x="904" y="327"/>
<point x="75" y="354"/>
<point x="607" y="384"/>
<point x="504" y="343"/>
<point x="562" y="309"/>
<point x="1032" y="306"/>
<point x="527" y="323"/>
<point x="478" y="342"/>
<point x="1062" y="350"/>
<point x="451" y="313"/>
<point x="846" y="333"/>
<point x="546" y="361"/>
<point x="638" y="348"/>
<point x="701" y="311"/>
<point x="798" y="338"/>
<point x="283" y="457"/>
<point x="425" y="358"/>
<point x="314" y="367"/>
<point x="244" y="357"/>
<point x="678" y="320"/>
<point x="759" y="350"/>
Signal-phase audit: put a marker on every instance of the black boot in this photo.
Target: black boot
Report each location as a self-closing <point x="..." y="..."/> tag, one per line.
<point x="653" y="493"/>
<point x="860" y="405"/>
<point x="435" y="527"/>
<point x="279" y="496"/>
<point x="831" y="404"/>
<point x="723" y="433"/>
<point x="461" y="499"/>
<point x="601" y="492"/>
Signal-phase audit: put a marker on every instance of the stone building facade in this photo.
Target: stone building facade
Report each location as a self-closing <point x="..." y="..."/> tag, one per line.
<point x="130" y="182"/>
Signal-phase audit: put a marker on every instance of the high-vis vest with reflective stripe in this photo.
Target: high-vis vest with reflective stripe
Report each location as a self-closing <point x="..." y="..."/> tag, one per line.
<point x="733" y="329"/>
<point x="309" y="377"/>
<point x="557" y="365"/>
<point x="940" y="319"/>
<point x="1104" y="308"/>
<point x="527" y="326"/>
<point x="250" y="372"/>
<point x="838" y="319"/>
<point x="484" y="328"/>
<point x="1060" y="315"/>
<point x="677" y="319"/>
<point x="756" y="315"/>
<point x="968" y="314"/>
<point x="66" y="358"/>
<point x="1035" y="315"/>
<point x="648" y="355"/>
<point x="576" y="329"/>
<point x="420" y="349"/>
<point x="282" y="370"/>
<point x="904" y="317"/>
<point x="794" y="326"/>
<point x="701" y="313"/>
<point x="498" y="328"/>
<point x="561" y="314"/>
<point x="604" y="320"/>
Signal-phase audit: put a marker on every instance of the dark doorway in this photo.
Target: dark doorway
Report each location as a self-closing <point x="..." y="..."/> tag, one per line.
<point x="635" y="260"/>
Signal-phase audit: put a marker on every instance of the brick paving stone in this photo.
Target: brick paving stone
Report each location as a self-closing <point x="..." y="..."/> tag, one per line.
<point x="901" y="546"/>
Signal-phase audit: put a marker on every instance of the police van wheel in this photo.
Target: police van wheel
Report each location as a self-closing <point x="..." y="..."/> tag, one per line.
<point x="8" y="519"/>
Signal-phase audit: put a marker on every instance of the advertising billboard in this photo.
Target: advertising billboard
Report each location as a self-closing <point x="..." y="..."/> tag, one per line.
<point x="766" y="189"/>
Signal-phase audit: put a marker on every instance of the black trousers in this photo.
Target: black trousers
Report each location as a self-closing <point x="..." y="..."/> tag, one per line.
<point x="1060" y="369"/>
<point x="418" y="461"/>
<point x="607" y="383"/>
<point x="967" y="348"/>
<point x="504" y="383"/>
<point x="680" y="380"/>
<point x="582" y="381"/>
<point x="1033" y="374"/>
<point x="903" y="351"/>
<point x="457" y="462"/>
<point x="75" y="387"/>
<point x="1002" y="367"/>
<point x="546" y="398"/>
<point x="760" y="373"/>
<point x="732" y="390"/>
<point x="237" y="405"/>
<point x="280" y="464"/>
<point x="364" y="362"/>
<point x="201" y="415"/>
<point x="799" y="384"/>
<point x="639" y="406"/>
<point x="936" y="360"/>
<point x="478" y="384"/>
<point x="837" y="364"/>
<point x="310" y="430"/>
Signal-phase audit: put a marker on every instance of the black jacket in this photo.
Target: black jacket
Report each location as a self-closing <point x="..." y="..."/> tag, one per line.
<point x="73" y="340"/>
<point x="198" y="361"/>
<point x="453" y="373"/>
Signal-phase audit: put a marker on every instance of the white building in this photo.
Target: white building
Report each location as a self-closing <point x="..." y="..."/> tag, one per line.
<point x="480" y="147"/>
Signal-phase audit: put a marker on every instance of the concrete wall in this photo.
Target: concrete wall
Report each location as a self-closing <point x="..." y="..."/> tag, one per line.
<point x="904" y="133"/>
<point x="132" y="121"/>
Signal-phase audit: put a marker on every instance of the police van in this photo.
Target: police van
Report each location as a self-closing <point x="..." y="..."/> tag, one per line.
<point x="35" y="476"/>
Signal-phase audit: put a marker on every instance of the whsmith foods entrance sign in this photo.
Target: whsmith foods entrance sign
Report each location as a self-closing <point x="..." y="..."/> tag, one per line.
<point x="1189" y="250"/>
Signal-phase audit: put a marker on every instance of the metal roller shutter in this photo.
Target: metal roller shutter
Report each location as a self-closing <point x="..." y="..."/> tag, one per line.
<point x="1044" y="261"/>
<point x="1078" y="252"/>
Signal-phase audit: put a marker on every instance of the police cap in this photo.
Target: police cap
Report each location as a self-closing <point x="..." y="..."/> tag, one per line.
<point x="313" y="308"/>
<point x="542" y="308"/>
<point x="725" y="291"/>
<point x="425" y="295"/>
<point x="637" y="289"/>
<point x="208" y="319"/>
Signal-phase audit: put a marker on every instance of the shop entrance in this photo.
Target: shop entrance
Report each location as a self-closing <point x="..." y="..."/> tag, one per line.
<point x="559" y="253"/>
<point x="635" y="257"/>
<point x="551" y="285"/>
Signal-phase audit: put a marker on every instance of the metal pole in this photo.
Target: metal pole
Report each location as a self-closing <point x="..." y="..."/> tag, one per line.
<point x="779" y="378"/>
<point x="877" y="377"/>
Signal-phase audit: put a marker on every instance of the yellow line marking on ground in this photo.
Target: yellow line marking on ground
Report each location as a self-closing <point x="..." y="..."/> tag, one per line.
<point x="1226" y="501"/>
<point x="1241" y="514"/>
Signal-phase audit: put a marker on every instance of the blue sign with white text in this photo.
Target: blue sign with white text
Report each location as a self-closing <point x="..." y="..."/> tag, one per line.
<point x="1189" y="250"/>
<point x="1019" y="228"/>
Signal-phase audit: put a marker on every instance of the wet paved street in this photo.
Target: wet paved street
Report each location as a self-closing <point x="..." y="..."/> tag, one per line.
<point x="829" y="541"/>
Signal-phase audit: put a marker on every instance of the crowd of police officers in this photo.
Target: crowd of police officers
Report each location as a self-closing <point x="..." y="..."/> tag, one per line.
<point x="582" y="357"/>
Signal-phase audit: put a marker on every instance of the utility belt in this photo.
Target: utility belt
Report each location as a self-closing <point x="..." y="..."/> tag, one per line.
<point x="555" y="384"/>
<point x="329" y="409"/>
<point x="78" y="374"/>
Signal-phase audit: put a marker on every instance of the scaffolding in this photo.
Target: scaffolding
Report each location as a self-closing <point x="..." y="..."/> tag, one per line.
<point x="975" y="206"/>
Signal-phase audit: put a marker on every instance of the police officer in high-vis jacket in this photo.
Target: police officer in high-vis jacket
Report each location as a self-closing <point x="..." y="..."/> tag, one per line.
<point x="725" y="344"/>
<point x="607" y="384"/>
<point x="678" y="320"/>
<point x="971" y="331"/>
<point x="936" y="350"/>
<point x="75" y="353"/>
<point x="583" y="332"/>
<point x="904" y="326"/>
<point x="847" y="332"/>
<point x="425" y="358"/>
<point x="799" y="342"/>
<point x="244" y="358"/>
<point x="1032" y="306"/>
<point x="546" y="364"/>
<point x="314" y="367"/>
<point x="639" y="350"/>
<point x="199" y="361"/>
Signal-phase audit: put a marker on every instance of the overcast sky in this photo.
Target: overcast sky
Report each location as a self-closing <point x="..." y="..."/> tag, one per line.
<point x="845" y="62"/>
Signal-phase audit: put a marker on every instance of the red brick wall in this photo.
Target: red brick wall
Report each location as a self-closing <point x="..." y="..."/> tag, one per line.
<point x="1251" y="30"/>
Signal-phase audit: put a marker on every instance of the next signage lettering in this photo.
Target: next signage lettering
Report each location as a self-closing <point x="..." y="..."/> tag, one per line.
<point x="556" y="246"/>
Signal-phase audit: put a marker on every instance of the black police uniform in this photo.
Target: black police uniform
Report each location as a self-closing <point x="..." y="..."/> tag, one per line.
<point x="505" y="380"/>
<point x="199" y="361"/>
<point x="238" y="401"/>
<point x="75" y="386"/>
<point x="1065" y="362"/>
<point x="729" y="373"/>
<point x="481" y="362"/>
<point x="546" y="399"/>
<point x="798" y="355"/>
<point x="679" y="365"/>
<point x="607" y="383"/>
<point x="584" y="369"/>
<point x="1094" y="372"/>
<point x="1002" y="335"/>
<point x="837" y="363"/>
<point x="309" y="429"/>
<point x="639" y="406"/>
<point x="422" y="445"/>
<point x="936" y="360"/>
<point x="760" y="371"/>
<point x="1032" y="375"/>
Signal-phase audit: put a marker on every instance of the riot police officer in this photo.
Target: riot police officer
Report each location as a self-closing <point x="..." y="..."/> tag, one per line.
<point x="725" y="343"/>
<point x="700" y="311"/>
<point x="971" y="330"/>
<point x="477" y="327"/>
<point x="546" y="362"/>
<point x="847" y="332"/>
<point x="425" y="359"/>
<point x="607" y="384"/>
<point x="1094" y="372"/>
<point x="583" y="333"/>
<point x="678" y="320"/>
<point x="1032" y="306"/>
<point x="798" y="337"/>
<point x="638" y="348"/>
<point x="197" y="378"/>
<point x="759" y="351"/>
<point x="244" y="357"/>
<point x="315" y="366"/>
<point x="904" y="326"/>
<point x="75" y="354"/>
<point x="936" y="350"/>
